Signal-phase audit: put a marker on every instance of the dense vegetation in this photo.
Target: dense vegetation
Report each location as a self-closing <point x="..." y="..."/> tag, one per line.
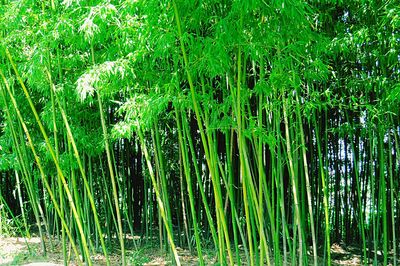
<point x="264" y="128"/>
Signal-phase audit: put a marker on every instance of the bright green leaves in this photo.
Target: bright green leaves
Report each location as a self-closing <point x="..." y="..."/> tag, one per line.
<point x="394" y="94"/>
<point x="99" y="22"/>
<point x="89" y="28"/>
<point x="251" y="77"/>
<point x="208" y="57"/>
<point x="316" y="71"/>
<point x="105" y="78"/>
<point x="140" y="111"/>
<point x="8" y="158"/>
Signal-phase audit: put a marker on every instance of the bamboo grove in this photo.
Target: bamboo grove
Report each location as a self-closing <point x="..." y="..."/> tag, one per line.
<point x="265" y="131"/>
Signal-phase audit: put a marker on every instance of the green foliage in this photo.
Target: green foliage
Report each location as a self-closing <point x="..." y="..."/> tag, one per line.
<point x="139" y="257"/>
<point x="256" y="121"/>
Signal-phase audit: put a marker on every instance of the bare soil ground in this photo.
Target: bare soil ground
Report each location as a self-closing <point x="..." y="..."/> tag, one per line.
<point x="27" y="252"/>
<point x="19" y="251"/>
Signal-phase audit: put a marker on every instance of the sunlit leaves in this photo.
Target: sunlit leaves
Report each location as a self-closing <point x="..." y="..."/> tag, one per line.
<point x="103" y="14"/>
<point x="89" y="28"/>
<point x="394" y="94"/>
<point x="100" y="76"/>
<point x="317" y="71"/>
<point x="140" y="111"/>
<point x="209" y="57"/>
<point x="243" y="67"/>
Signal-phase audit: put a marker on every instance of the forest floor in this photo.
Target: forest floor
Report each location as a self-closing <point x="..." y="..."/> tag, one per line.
<point x="15" y="251"/>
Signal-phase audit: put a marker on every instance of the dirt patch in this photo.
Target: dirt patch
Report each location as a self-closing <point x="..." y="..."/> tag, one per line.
<point x="27" y="252"/>
<point x="21" y="251"/>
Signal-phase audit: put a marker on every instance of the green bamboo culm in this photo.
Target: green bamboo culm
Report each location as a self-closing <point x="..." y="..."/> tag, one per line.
<point x="81" y="168"/>
<point x="75" y="213"/>
<point x="37" y="159"/>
